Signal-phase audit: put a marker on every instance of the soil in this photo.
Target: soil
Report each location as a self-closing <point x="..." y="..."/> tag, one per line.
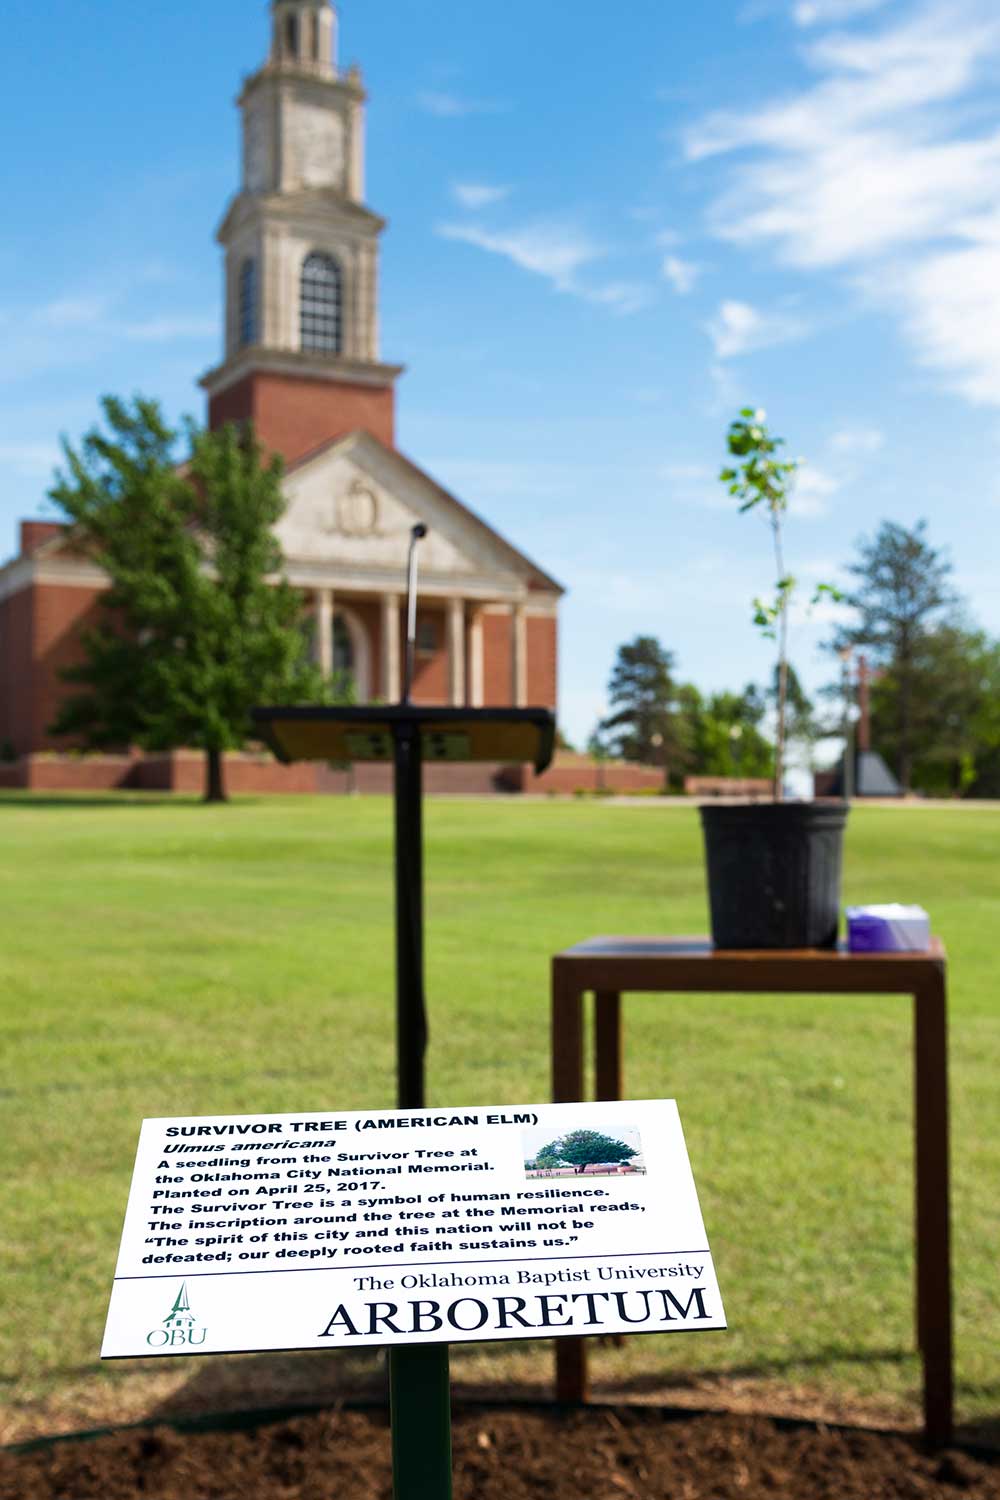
<point x="505" y="1454"/>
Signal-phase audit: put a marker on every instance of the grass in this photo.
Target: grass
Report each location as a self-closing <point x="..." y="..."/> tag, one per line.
<point x="165" y="958"/>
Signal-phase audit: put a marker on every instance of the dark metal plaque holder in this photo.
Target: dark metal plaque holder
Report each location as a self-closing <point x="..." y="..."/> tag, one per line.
<point x="408" y="734"/>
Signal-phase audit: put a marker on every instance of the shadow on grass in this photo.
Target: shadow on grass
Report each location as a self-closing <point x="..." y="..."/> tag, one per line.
<point x="321" y="1377"/>
<point x="236" y="1391"/>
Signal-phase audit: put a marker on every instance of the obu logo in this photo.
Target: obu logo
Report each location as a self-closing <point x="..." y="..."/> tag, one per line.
<point x="179" y="1327"/>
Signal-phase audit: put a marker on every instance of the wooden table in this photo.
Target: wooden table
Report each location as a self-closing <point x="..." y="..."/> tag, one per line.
<point x="611" y="965"/>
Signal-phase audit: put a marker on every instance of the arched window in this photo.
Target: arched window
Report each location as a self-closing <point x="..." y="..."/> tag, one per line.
<point x="320" y="319"/>
<point x="292" y="36"/>
<point x="247" y="322"/>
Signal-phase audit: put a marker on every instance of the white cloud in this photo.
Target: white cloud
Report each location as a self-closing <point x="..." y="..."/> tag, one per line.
<point x="829" y="12"/>
<point x="881" y="169"/>
<point x="850" y="440"/>
<point x="453" y="106"/>
<point x="73" y="312"/>
<point x="475" y="195"/>
<point x="727" y="391"/>
<point x="951" y="311"/>
<point x="550" y="250"/>
<point x="682" y="274"/>
<point x="621" y="296"/>
<point x="556" y="252"/>
<point x="811" y="492"/>
<point x="77" y="329"/>
<point x="738" y="328"/>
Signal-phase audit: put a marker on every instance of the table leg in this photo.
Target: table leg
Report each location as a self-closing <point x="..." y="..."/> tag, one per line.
<point x="608" y="1044"/>
<point x="567" y="1038"/>
<point x="608" y="1065"/>
<point x="934" y="1311"/>
<point x="567" y="1088"/>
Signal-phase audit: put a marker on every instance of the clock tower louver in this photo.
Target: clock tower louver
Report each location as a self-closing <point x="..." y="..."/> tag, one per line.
<point x="301" y="252"/>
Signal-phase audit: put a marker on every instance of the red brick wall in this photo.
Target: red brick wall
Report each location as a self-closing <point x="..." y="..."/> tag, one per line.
<point x="430" y="673"/>
<point x="15" y="670"/>
<point x="498" y="688"/>
<point x="34" y="533"/>
<point x="234" y="404"/>
<point x="293" y="416"/>
<point x="572" y="773"/>
<point x="543" y="633"/>
<point x="59" y="614"/>
<point x="184" y="771"/>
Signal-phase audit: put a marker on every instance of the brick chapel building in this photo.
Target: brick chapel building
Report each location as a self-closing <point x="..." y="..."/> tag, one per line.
<point x="302" y="363"/>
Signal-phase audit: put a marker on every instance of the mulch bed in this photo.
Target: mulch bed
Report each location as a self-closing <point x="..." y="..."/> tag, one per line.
<point x="501" y="1454"/>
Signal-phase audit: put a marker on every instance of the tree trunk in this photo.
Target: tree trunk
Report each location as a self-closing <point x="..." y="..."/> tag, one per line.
<point x="904" y="672"/>
<point x="905" y="754"/>
<point x="215" y="789"/>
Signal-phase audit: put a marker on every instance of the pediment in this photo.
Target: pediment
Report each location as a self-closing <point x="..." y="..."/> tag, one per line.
<point x="353" y="506"/>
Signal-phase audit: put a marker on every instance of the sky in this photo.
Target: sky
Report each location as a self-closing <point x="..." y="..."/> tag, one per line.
<point x="610" y="228"/>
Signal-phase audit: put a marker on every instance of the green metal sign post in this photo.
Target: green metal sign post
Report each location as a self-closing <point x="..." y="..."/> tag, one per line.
<point x="420" y="1412"/>
<point x="407" y="734"/>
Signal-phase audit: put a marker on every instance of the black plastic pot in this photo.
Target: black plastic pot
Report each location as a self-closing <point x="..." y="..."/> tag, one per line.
<point x="774" y="873"/>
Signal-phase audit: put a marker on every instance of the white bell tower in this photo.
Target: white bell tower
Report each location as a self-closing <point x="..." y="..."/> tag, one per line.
<point x="301" y="248"/>
<point x="303" y="120"/>
<point x="305" y="35"/>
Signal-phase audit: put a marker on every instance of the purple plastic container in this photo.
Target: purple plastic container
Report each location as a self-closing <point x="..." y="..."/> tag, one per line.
<point x="888" y="929"/>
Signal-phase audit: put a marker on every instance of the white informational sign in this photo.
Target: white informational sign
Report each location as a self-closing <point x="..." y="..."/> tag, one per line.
<point x="254" y="1232"/>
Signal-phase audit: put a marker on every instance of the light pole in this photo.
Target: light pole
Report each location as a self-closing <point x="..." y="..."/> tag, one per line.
<point x="735" y="746"/>
<point x="847" y="788"/>
<point x="656" y="740"/>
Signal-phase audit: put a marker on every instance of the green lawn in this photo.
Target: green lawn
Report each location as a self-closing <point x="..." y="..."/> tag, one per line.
<point x="164" y="958"/>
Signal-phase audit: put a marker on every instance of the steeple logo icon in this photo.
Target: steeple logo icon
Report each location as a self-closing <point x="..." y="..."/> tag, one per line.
<point x="179" y="1328"/>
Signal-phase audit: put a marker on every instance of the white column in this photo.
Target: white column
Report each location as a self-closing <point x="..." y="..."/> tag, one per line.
<point x="476" y="673"/>
<point x="456" y="652"/>
<point x="390" y="648"/>
<point x="519" y="654"/>
<point x="324" y="631"/>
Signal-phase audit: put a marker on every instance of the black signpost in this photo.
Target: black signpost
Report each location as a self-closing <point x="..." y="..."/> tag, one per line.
<point x="408" y="735"/>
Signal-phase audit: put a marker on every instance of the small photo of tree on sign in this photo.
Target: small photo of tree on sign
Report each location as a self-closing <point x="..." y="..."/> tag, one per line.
<point x="581" y="1153"/>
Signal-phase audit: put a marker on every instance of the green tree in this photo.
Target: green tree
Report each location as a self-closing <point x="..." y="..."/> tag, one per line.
<point x="954" y="710"/>
<point x="644" y="724"/>
<point x="802" y="724"/>
<point x="726" y="737"/>
<point x="548" y="1157"/>
<point x="583" y="1148"/>
<point x="200" y="623"/>
<point x="901" y="594"/>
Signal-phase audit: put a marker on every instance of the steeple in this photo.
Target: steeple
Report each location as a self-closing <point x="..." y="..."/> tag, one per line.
<point x="304" y="36"/>
<point x="180" y="1315"/>
<point x="302" y="249"/>
<point x="303" y="120"/>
